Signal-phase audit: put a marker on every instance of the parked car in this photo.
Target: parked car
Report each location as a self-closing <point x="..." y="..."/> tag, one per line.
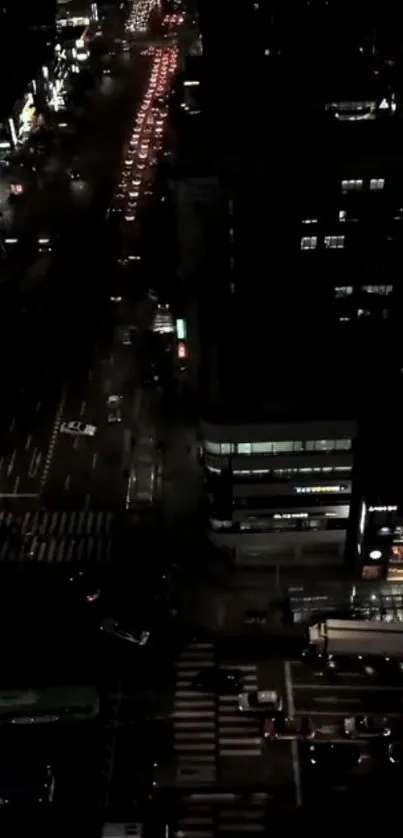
<point x="288" y="727"/>
<point x="77" y="429"/>
<point x="365" y="727"/>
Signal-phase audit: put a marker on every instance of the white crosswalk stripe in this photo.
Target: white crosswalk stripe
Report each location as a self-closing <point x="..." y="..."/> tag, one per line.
<point x="55" y="537"/>
<point x="238" y="735"/>
<point x="228" y="816"/>
<point x="194" y="713"/>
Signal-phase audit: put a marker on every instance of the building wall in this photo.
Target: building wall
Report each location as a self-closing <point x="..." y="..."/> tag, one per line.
<point x="288" y="507"/>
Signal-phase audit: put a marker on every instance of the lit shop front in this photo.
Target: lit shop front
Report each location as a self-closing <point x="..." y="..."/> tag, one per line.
<point x="24" y="118"/>
<point x="67" y="15"/>
<point x="380" y="541"/>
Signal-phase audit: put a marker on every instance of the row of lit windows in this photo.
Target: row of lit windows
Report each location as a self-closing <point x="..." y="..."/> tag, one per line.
<point x="261" y="475"/>
<point x="289" y="472"/>
<point x="356" y="184"/>
<point x="342" y="216"/>
<point x="286" y="447"/>
<point x="347" y="290"/>
<point x="283" y="525"/>
<point x="330" y="242"/>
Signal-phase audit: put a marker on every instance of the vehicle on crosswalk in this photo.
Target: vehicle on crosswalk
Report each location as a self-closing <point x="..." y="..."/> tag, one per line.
<point x="365" y="727"/>
<point x="215" y="680"/>
<point x="288" y="727"/>
<point x="260" y="702"/>
<point x="334" y="756"/>
<point x="77" y="429"/>
<point x="114" y="414"/>
<point x="112" y="627"/>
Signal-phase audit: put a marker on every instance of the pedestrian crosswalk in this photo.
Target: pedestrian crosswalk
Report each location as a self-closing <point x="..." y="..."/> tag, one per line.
<point x="56" y="537"/>
<point x="238" y="735"/>
<point x="194" y="713"/>
<point x="209" y="727"/>
<point x="226" y="815"/>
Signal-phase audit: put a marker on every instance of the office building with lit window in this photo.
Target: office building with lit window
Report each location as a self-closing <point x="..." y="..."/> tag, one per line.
<point x="376" y="532"/>
<point x="321" y="192"/>
<point x="278" y="446"/>
<point x="298" y="325"/>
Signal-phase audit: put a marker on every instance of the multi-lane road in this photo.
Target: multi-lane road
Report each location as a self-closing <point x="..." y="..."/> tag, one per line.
<point x="68" y="361"/>
<point x="225" y="778"/>
<point x="308" y="692"/>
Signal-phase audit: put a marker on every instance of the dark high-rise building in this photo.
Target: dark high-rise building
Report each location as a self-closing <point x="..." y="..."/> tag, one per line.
<point x="26" y="41"/>
<point x="298" y="300"/>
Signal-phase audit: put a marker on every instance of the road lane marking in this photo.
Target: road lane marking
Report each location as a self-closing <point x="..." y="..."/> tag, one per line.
<point x="11" y="464"/>
<point x="28" y="442"/>
<point x="53" y="439"/>
<point x="67" y="482"/>
<point x="294" y="747"/>
<point x="341" y="713"/>
<point x="20" y="495"/>
<point x="38" y="406"/>
<point x="12" y="425"/>
<point x="16" y="484"/>
<point x="94" y="460"/>
<point x="34" y="463"/>
<point x="330" y="699"/>
<point x="76" y="442"/>
<point x="353" y="687"/>
<point x="82" y="408"/>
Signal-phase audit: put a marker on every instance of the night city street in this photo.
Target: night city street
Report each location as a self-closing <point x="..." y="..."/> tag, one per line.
<point x="201" y="548"/>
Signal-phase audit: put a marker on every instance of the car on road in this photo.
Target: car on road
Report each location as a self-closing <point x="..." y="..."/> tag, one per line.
<point x="116" y="629"/>
<point x="74" y="174"/>
<point x="332" y="756"/>
<point x="260" y="702"/>
<point x="114" y="413"/>
<point x="124" y="336"/>
<point x="288" y="727"/>
<point x="77" y="429"/>
<point x="395" y="753"/>
<point x="215" y="680"/>
<point x="365" y="727"/>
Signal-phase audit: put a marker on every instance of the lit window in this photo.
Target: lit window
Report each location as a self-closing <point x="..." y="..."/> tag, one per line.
<point x="309" y="220"/>
<point x="217" y="448"/>
<point x="320" y="490"/>
<point x="376" y="183"/>
<point x="244" y="448"/>
<point x="351" y="185"/>
<point x="334" y="242"/>
<point x="382" y="290"/>
<point x="283" y="447"/>
<point x="342" y="215"/>
<point x="262" y="447"/>
<point x="309" y="242"/>
<point x="343" y="291"/>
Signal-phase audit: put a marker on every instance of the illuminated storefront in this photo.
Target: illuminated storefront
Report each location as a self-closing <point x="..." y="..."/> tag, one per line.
<point x="380" y="541"/>
<point x="73" y="14"/>
<point x="5" y="142"/>
<point x="28" y="118"/>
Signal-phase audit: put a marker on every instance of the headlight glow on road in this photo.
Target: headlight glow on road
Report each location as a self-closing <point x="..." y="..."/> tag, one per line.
<point x="139" y="17"/>
<point x="146" y="138"/>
